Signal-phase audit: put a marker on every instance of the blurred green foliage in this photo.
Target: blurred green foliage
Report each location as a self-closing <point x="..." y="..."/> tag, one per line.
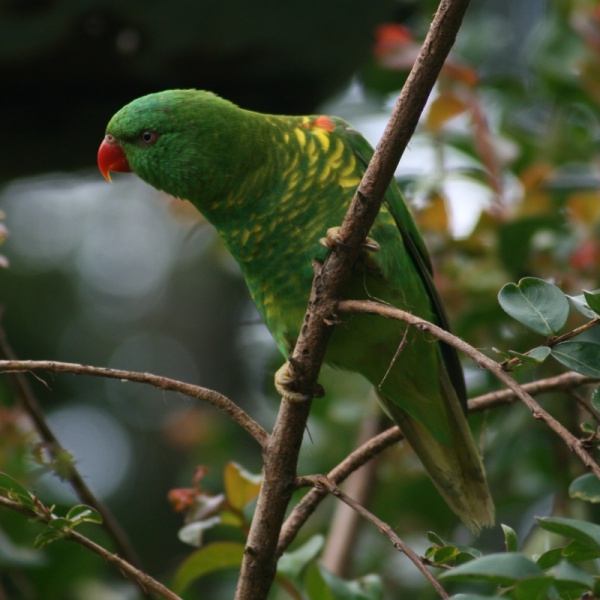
<point x="503" y="174"/>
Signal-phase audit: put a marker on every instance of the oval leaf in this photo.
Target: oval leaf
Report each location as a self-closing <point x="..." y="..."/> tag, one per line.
<point x="81" y="513"/>
<point x="536" y="356"/>
<point x="511" y="542"/>
<point x="293" y="563"/>
<point x="584" y="532"/>
<point x="593" y="300"/>
<point x="501" y="569"/>
<point x="580" y="304"/>
<point x="586" y="487"/>
<point x="240" y="486"/>
<point x="213" y="557"/>
<point x="537" y="304"/>
<point x="571" y="579"/>
<point x="583" y="357"/>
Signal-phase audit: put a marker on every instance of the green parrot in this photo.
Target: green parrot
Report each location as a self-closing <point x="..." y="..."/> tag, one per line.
<point x="275" y="187"/>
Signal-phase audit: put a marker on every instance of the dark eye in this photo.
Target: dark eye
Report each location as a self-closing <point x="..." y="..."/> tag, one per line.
<point x="148" y="137"/>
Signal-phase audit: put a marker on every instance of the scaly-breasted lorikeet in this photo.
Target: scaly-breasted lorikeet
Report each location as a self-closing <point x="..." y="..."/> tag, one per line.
<point x="273" y="186"/>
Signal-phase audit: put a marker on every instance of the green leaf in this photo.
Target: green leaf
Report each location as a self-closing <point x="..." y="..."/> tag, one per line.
<point x="534" y="588"/>
<point x="212" y="557"/>
<point x="444" y="555"/>
<point x="46" y="537"/>
<point x="588" y="428"/>
<point x="435" y="539"/>
<point x="537" y="355"/>
<point x="511" y="542"/>
<point x="450" y="555"/>
<point x="583" y="357"/>
<point x="571" y="580"/>
<point x="501" y="569"/>
<point x="595" y="399"/>
<point x="368" y="587"/>
<point x="584" y="532"/>
<point x="15" y="491"/>
<point x="586" y="487"/>
<point x="593" y="300"/>
<point x="315" y="585"/>
<point x="537" y="304"/>
<point x="293" y="563"/>
<point x="83" y="514"/>
<point x="580" y="304"/>
<point x="575" y="552"/>
<point x="550" y="558"/>
<point x="241" y="486"/>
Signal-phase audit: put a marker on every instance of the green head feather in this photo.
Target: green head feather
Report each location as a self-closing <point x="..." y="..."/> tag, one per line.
<point x="179" y="141"/>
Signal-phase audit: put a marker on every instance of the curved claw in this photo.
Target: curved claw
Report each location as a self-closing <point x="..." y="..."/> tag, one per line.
<point x="282" y="383"/>
<point x="332" y="239"/>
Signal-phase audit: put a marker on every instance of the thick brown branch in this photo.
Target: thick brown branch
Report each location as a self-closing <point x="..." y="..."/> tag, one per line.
<point x="258" y="567"/>
<point x="221" y="402"/>
<point x="369" y="307"/>
<point x="144" y="580"/>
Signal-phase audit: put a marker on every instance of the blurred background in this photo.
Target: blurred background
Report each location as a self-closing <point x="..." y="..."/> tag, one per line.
<point x="503" y="177"/>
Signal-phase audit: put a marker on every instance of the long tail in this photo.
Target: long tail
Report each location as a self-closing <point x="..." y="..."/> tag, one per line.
<point x="455" y="468"/>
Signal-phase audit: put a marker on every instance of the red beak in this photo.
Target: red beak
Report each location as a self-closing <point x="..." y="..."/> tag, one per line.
<point x="112" y="158"/>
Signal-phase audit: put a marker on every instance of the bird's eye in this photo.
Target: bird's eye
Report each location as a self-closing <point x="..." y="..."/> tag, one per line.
<point x="148" y="137"/>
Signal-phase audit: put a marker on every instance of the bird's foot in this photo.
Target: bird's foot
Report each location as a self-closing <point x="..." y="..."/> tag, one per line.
<point x="332" y="239"/>
<point x="283" y="379"/>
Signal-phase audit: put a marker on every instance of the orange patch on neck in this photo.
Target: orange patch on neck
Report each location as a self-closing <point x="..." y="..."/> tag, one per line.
<point x="323" y="122"/>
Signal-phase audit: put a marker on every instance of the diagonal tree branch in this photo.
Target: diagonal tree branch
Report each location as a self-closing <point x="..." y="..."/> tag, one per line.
<point x="281" y="452"/>
<point x="370" y="307"/>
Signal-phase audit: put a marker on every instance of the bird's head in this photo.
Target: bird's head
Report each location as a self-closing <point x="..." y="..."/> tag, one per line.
<point x="169" y="139"/>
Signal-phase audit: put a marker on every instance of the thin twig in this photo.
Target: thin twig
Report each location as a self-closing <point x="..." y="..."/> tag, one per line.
<point x="221" y="402"/>
<point x="320" y="481"/>
<point x="370" y="307"/>
<point x="32" y="407"/>
<point x="507" y="365"/>
<point x="281" y="452"/>
<point x="560" y="383"/>
<point x="145" y="581"/>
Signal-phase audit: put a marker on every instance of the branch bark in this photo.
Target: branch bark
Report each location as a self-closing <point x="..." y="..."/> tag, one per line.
<point x="281" y="452"/>
<point x="224" y="404"/>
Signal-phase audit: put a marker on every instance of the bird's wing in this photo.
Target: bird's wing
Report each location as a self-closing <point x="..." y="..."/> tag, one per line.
<point x="413" y="242"/>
